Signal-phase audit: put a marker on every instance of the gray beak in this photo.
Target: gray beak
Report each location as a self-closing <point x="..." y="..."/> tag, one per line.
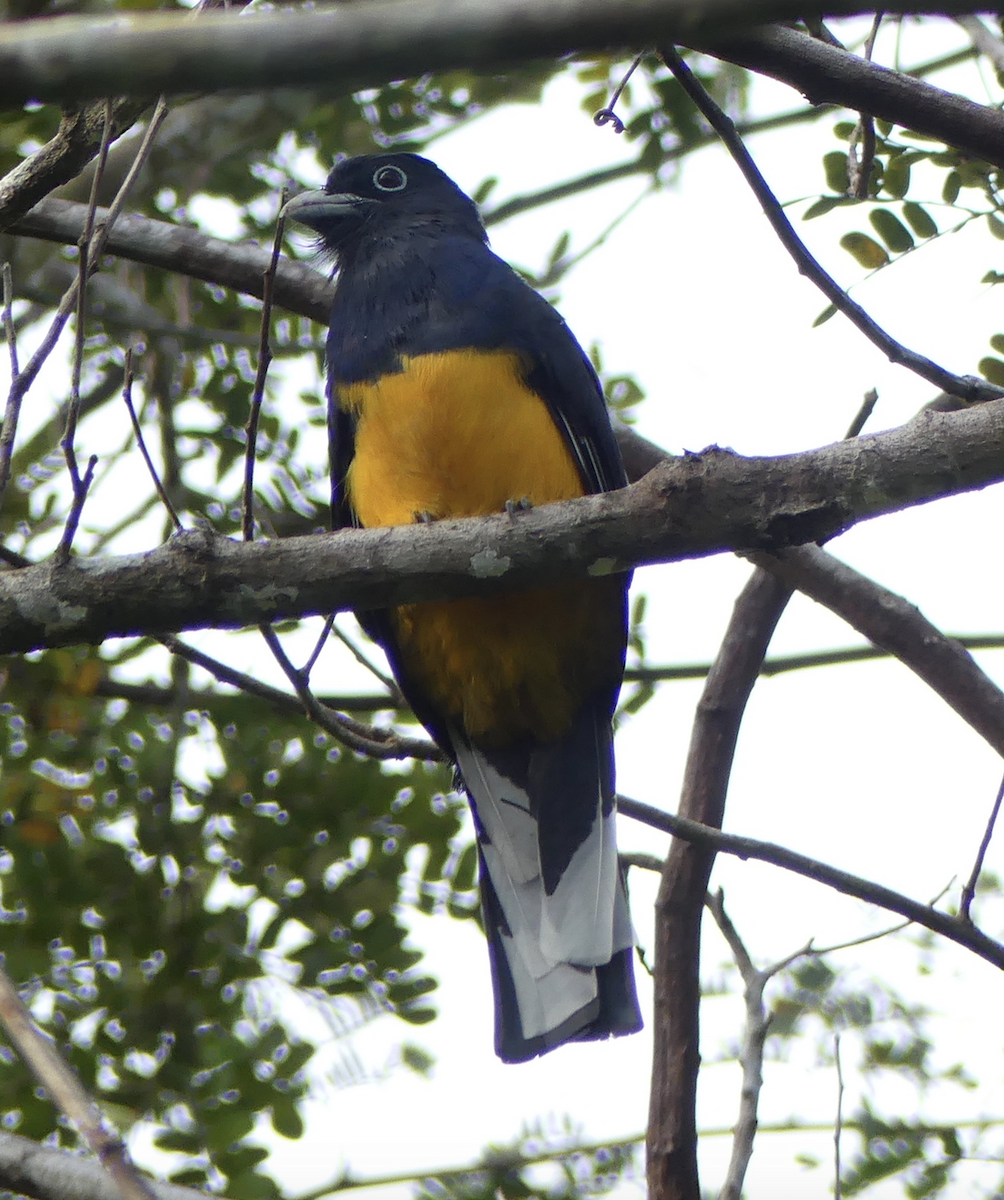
<point x="316" y="209"/>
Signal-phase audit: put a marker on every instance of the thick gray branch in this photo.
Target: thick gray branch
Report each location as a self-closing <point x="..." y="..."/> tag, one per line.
<point x="237" y="265"/>
<point x="349" y="46"/>
<point x="687" y="507"/>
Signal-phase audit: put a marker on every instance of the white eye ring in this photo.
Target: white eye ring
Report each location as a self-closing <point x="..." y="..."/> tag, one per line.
<point x="389" y="178"/>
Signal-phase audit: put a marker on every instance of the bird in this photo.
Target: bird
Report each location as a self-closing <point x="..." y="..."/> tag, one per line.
<point x="457" y="390"/>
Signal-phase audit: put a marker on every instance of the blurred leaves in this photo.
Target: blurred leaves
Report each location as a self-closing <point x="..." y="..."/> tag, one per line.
<point x="155" y="921"/>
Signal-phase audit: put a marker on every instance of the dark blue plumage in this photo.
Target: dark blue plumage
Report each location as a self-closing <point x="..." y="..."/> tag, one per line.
<point x="455" y="389"/>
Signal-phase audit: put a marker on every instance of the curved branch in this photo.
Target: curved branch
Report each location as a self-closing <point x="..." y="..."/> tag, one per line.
<point x="687" y="507"/>
<point x="237" y="265"/>
<point x="956" y="930"/>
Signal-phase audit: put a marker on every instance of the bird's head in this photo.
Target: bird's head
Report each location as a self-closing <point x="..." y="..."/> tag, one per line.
<point x="384" y="195"/>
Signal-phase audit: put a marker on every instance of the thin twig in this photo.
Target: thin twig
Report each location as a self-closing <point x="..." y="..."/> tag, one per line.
<point x="863" y="413"/>
<point x="364" y="739"/>
<point x="780" y="663"/>
<point x="84" y="267"/>
<point x="838" y="1123"/>
<point x="859" y="171"/>
<point x="983" y="40"/>
<point x="607" y="115"/>
<point x="80" y="489"/>
<point x="140" y="441"/>
<point x="8" y="318"/>
<point x="969" y="891"/>
<point x="963" y="933"/>
<point x="12" y="410"/>
<point x="66" y="1092"/>
<point x="258" y="394"/>
<point x="968" y="388"/>
<point x="315" y="654"/>
<point x="19" y="386"/>
<point x="755" y="1032"/>
<point x="388" y="681"/>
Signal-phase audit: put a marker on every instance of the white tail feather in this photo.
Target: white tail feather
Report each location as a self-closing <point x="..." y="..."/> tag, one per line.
<point x="556" y="941"/>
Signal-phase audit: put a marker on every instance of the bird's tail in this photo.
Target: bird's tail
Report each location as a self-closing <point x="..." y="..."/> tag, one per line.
<point x="555" y="909"/>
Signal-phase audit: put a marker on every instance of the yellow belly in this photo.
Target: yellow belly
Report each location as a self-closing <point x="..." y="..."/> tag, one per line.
<point x="459" y="434"/>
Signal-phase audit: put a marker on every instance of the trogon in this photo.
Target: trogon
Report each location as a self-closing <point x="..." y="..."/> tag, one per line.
<point x="455" y="390"/>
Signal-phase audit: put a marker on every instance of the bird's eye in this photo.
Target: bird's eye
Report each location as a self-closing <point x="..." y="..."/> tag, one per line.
<point x="389" y="179"/>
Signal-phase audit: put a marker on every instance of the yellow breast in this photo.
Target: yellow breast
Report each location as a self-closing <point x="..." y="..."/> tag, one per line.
<point x="459" y="434"/>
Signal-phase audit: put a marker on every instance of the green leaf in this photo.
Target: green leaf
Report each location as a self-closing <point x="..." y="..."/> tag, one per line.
<point x="835" y="170"/>
<point x="919" y="219"/>
<point x="891" y="230"/>
<point x="997" y="342"/>
<point x="951" y="186"/>
<point x="829" y="311"/>
<point x="992" y="369"/>
<point x="864" y="250"/>
<point x="996" y="226"/>
<point x="823" y="205"/>
<point x="896" y="177"/>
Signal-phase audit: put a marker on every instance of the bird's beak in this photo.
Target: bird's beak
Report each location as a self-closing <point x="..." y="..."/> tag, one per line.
<point x="318" y="209"/>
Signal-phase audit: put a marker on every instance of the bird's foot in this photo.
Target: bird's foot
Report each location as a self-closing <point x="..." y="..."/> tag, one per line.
<point x="424" y="517"/>
<point x="514" y="507"/>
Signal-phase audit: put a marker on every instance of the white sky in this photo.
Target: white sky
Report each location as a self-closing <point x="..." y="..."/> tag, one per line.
<point x="859" y="765"/>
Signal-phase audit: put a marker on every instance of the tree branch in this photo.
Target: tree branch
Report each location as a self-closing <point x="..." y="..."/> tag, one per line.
<point x="74" y="145"/>
<point x="688" y="507"/>
<point x="825" y="74"/>
<point x="347" y="47"/>
<point x="237" y="265"/>
<point x="956" y="930"/>
<point x="672" y="1126"/>
<point x="28" y="1169"/>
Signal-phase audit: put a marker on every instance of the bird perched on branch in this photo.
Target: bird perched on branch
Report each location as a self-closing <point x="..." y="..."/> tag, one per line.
<point x="456" y="390"/>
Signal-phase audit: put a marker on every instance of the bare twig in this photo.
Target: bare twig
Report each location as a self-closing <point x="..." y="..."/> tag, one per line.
<point x="84" y="265"/>
<point x="365" y="739"/>
<point x="258" y="394"/>
<point x="12" y="410"/>
<point x="838" y="1123"/>
<point x="983" y="40"/>
<point x="863" y="413"/>
<point x="969" y="891"/>
<point x="388" y="681"/>
<point x="755" y="1032"/>
<point x="968" y="388"/>
<point x="81" y="487"/>
<point x="44" y="1061"/>
<point x="963" y="933"/>
<point x="102" y="226"/>
<point x="892" y="622"/>
<point x="8" y="318"/>
<point x="607" y="115"/>
<point x="859" y="170"/>
<point x="315" y="654"/>
<point x="141" y="442"/>
<point x="672" y="1136"/>
<point x="780" y="663"/>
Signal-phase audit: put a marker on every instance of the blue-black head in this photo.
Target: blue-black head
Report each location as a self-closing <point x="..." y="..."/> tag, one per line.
<point x="385" y="196"/>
